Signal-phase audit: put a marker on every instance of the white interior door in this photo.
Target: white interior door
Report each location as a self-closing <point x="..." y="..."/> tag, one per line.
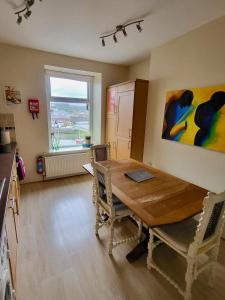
<point x="123" y="148"/>
<point x="111" y="134"/>
<point x="125" y="114"/>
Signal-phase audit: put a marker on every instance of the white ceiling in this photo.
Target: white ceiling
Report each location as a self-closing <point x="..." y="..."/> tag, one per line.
<point x="72" y="27"/>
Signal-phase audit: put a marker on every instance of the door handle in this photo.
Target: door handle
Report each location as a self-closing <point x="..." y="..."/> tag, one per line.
<point x="129" y="143"/>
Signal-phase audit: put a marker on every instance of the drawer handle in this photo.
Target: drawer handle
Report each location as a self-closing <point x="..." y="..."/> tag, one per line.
<point x="13" y="203"/>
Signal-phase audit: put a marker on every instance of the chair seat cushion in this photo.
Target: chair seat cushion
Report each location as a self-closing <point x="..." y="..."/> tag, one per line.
<point x="117" y="204"/>
<point x="180" y="234"/>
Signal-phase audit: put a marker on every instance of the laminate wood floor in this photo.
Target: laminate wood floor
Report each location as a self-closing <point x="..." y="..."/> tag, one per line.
<point x="60" y="257"/>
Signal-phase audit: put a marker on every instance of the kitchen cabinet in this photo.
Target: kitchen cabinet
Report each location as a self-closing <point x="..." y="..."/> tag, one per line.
<point x="12" y="222"/>
<point x="125" y="119"/>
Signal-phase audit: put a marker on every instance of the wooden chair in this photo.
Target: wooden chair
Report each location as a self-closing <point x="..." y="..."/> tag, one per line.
<point x="109" y="203"/>
<point x="191" y="238"/>
<point x="99" y="153"/>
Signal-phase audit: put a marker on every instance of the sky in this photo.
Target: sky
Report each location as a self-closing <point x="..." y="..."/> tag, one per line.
<point x="68" y="88"/>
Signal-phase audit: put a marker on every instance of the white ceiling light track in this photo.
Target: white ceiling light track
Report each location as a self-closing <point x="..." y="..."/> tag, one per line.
<point x="121" y="28"/>
<point x="24" y="10"/>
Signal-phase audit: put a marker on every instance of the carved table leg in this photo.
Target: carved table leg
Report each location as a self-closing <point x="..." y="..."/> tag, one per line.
<point x="189" y="278"/>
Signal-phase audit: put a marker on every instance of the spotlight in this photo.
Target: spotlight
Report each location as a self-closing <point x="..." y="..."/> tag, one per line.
<point x="139" y="27"/>
<point x="115" y="39"/>
<point x="103" y="43"/>
<point x="30" y="2"/>
<point x="124" y="31"/>
<point x="25" y="9"/>
<point x="19" y="20"/>
<point x="27" y="14"/>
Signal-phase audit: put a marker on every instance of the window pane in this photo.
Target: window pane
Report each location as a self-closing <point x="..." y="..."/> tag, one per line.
<point x="69" y="124"/>
<point x="68" y="88"/>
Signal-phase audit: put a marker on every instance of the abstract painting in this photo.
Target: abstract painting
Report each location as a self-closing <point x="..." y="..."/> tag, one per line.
<point x="196" y="117"/>
<point x="12" y="96"/>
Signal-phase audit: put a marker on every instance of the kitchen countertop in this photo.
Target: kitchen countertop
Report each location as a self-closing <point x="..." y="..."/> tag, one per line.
<point x="6" y="163"/>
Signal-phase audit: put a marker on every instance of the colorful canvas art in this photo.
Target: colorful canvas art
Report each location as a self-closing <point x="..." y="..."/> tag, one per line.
<point x="196" y="117"/>
<point x="12" y="96"/>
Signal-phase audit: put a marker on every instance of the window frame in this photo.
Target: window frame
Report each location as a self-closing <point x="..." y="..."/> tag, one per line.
<point x="89" y="101"/>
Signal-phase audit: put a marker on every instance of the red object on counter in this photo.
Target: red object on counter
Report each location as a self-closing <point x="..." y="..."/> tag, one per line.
<point x="21" y="171"/>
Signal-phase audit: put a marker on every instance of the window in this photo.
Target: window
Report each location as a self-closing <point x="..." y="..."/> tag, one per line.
<point x="69" y="110"/>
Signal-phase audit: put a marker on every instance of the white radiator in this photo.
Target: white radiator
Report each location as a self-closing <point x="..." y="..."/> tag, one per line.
<point x="65" y="164"/>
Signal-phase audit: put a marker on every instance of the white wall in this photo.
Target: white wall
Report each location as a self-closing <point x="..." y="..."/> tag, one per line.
<point x="194" y="60"/>
<point x="140" y="70"/>
<point x="24" y="68"/>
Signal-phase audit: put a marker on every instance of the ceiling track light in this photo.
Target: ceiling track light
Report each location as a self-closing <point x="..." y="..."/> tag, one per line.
<point x="114" y="38"/>
<point x="124" y="31"/>
<point x="28" y="13"/>
<point x="139" y="27"/>
<point x="26" y="9"/>
<point x="121" y="28"/>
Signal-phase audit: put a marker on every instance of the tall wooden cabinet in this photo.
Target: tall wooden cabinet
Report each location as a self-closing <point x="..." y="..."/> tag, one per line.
<point x="125" y="119"/>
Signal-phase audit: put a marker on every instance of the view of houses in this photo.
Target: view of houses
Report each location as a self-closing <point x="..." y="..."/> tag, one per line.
<point x="70" y="124"/>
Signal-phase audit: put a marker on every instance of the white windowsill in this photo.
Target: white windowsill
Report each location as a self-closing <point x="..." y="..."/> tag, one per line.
<point x="69" y="150"/>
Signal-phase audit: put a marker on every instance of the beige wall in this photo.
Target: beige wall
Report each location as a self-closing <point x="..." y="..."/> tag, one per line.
<point x="24" y="68"/>
<point x="196" y="59"/>
<point x="139" y="70"/>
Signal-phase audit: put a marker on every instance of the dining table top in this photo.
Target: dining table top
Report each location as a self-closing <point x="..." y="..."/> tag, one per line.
<point x="164" y="199"/>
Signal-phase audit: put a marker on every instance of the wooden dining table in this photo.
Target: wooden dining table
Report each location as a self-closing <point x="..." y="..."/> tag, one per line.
<point x="164" y="199"/>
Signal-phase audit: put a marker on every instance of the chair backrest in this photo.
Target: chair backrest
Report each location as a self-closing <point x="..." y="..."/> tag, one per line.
<point x="100" y="152"/>
<point x="102" y="177"/>
<point x="211" y="222"/>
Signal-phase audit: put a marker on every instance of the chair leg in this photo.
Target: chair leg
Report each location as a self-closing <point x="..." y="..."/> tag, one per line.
<point x="94" y="193"/>
<point x="111" y="234"/>
<point x="189" y="278"/>
<point x="140" y="225"/>
<point x="150" y="249"/>
<point x="213" y="255"/>
<point x="98" y="217"/>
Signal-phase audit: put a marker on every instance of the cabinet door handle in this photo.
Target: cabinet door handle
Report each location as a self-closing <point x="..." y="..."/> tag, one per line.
<point x="13" y="203"/>
<point x="129" y="144"/>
